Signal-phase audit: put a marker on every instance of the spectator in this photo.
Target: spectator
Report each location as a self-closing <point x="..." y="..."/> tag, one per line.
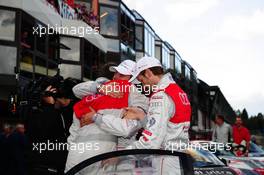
<point x="241" y="135"/>
<point x="17" y="143"/>
<point x="4" y="168"/>
<point x="254" y="139"/>
<point x="222" y="132"/>
<point x="7" y="130"/>
<point x="24" y="40"/>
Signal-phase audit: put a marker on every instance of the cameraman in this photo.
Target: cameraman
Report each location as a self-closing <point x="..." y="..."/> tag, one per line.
<point x="49" y="124"/>
<point x="64" y="101"/>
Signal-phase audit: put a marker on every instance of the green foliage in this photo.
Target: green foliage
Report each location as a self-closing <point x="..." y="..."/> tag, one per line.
<point x="238" y="112"/>
<point x="244" y="115"/>
<point x="255" y="124"/>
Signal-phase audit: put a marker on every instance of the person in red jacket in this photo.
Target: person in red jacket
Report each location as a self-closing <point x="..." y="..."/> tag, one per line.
<point x="241" y="136"/>
<point x="100" y="101"/>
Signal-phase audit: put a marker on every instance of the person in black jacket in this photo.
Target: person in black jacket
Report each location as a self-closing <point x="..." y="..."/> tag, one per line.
<point x="44" y="126"/>
<point x="4" y="149"/>
<point x="64" y="101"/>
<point x="49" y="125"/>
<point x="17" y="145"/>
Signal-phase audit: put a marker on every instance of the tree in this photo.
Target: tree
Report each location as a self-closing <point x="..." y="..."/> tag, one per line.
<point x="260" y="115"/>
<point x="260" y="122"/>
<point x="238" y="112"/>
<point x="244" y="115"/>
<point x="255" y="123"/>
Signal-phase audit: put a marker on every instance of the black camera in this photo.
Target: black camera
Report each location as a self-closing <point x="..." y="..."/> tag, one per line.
<point x="55" y="82"/>
<point x="63" y="87"/>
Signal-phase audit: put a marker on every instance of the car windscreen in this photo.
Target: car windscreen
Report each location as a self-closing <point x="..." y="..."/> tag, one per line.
<point x="204" y="158"/>
<point x="140" y="161"/>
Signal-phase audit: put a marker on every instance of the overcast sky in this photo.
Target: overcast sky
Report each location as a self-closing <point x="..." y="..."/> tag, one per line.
<point x="222" y="39"/>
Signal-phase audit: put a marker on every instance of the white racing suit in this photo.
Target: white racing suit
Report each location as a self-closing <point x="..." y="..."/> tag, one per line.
<point x="101" y="136"/>
<point x="160" y="132"/>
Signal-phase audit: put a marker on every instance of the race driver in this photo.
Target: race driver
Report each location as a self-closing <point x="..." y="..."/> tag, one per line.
<point x="168" y="114"/>
<point x="103" y="133"/>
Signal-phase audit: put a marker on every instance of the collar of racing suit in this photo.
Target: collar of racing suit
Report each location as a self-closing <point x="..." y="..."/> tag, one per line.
<point x="165" y="81"/>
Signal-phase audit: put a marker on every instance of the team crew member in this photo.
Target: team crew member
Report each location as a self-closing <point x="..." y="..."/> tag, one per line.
<point x="222" y="132"/>
<point x="241" y="135"/>
<point x="168" y="114"/>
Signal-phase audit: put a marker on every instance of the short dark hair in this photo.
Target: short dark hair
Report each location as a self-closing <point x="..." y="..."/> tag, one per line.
<point x="157" y="70"/>
<point x="220" y="116"/>
<point x="64" y="89"/>
<point x="105" y="72"/>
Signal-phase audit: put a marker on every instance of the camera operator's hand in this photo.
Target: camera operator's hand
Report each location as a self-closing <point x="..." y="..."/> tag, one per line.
<point x="49" y="99"/>
<point x="51" y="89"/>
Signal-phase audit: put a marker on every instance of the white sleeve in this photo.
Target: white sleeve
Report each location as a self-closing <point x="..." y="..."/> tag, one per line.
<point x="136" y="99"/>
<point x="75" y="126"/>
<point x="115" y="125"/>
<point x="214" y="134"/>
<point x="158" y="115"/>
<point x="230" y="133"/>
<point x="88" y="88"/>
